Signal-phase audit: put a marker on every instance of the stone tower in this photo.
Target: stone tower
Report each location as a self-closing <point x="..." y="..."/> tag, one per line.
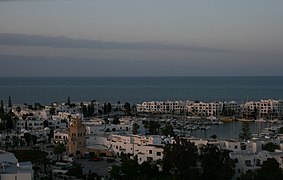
<point x="76" y="136"/>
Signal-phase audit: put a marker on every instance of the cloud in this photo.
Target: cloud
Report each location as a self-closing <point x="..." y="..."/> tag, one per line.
<point x="64" y="42"/>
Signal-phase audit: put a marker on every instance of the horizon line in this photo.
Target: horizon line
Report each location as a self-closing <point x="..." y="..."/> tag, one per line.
<point x="160" y="76"/>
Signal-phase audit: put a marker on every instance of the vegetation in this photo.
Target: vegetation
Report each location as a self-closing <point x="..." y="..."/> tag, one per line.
<point x="27" y="137"/>
<point x="52" y="111"/>
<point x="131" y="170"/>
<point x="270" y="169"/>
<point x="180" y="158"/>
<point x="214" y="136"/>
<point x="76" y="171"/>
<point x="280" y="130"/>
<point x="127" y="108"/>
<point x="216" y="164"/>
<point x="107" y="108"/>
<point x="88" y="110"/>
<point x="10" y="102"/>
<point x="152" y="127"/>
<point x="135" y="128"/>
<point x="58" y="150"/>
<point x="116" y="120"/>
<point x="245" y="133"/>
<point x="270" y="147"/>
<point x="168" y="130"/>
<point x="35" y="156"/>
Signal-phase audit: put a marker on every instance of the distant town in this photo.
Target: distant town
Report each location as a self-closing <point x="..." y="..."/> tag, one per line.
<point x="151" y="140"/>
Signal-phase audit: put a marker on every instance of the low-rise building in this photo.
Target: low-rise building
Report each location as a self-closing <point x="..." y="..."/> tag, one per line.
<point x="10" y="168"/>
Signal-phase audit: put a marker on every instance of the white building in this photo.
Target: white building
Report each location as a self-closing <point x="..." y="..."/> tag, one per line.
<point x="147" y="148"/>
<point x="250" y="161"/>
<point x="60" y="137"/>
<point x="205" y="109"/>
<point x="270" y="109"/>
<point x="236" y="146"/>
<point x="10" y="168"/>
<point x="162" y="107"/>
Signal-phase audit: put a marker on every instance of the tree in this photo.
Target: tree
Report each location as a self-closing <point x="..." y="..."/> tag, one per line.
<point x="34" y="139"/>
<point x="168" y="130"/>
<point x="16" y="141"/>
<point x="214" y="136"/>
<point x="8" y="119"/>
<point x="135" y="128"/>
<point x="76" y="171"/>
<point x="127" y="108"/>
<point x="107" y="108"/>
<point x="2" y="127"/>
<point x="280" y="130"/>
<point x="68" y="101"/>
<point x="52" y="111"/>
<point x="1" y="109"/>
<point x="270" y="169"/>
<point x="245" y="132"/>
<point x="131" y="170"/>
<point x="50" y="135"/>
<point x="216" y="164"/>
<point x="18" y="109"/>
<point x="116" y="120"/>
<point x="1" y="104"/>
<point x="180" y="159"/>
<point x="27" y="137"/>
<point x="9" y="102"/>
<point x="90" y="109"/>
<point x="249" y="175"/>
<point x="58" y="150"/>
<point x="270" y="147"/>
<point x="152" y="126"/>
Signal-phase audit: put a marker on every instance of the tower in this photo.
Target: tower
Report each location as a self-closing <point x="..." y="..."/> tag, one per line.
<point x="76" y="136"/>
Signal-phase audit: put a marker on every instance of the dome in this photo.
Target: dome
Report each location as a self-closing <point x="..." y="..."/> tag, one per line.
<point x="26" y="131"/>
<point x="46" y="129"/>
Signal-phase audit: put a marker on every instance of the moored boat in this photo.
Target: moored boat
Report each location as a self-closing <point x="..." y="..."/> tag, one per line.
<point x="246" y="120"/>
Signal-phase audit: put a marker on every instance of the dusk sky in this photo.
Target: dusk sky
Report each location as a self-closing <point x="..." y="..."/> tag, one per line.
<point x="141" y="38"/>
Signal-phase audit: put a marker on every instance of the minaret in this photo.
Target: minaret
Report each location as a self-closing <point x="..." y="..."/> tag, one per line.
<point x="76" y="136"/>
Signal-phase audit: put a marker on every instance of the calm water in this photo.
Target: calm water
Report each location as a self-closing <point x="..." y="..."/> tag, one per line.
<point x="230" y="130"/>
<point x="139" y="89"/>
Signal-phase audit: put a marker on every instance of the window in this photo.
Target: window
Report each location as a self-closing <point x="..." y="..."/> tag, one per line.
<point x="236" y="147"/>
<point x="149" y="159"/>
<point x="248" y="162"/>
<point x="258" y="162"/>
<point x="243" y="146"/>
<point x="158" y="153"/>
<point x="150" y="151"/>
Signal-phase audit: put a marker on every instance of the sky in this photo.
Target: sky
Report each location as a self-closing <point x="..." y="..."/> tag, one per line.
<point x="141" y="38"/>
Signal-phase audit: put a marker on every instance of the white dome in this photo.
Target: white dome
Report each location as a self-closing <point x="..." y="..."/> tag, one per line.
<point x="26" y="131"/>
<point x="46" y="129"/>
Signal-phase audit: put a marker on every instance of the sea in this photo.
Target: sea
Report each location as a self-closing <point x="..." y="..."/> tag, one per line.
<point x="46" y="90"/>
